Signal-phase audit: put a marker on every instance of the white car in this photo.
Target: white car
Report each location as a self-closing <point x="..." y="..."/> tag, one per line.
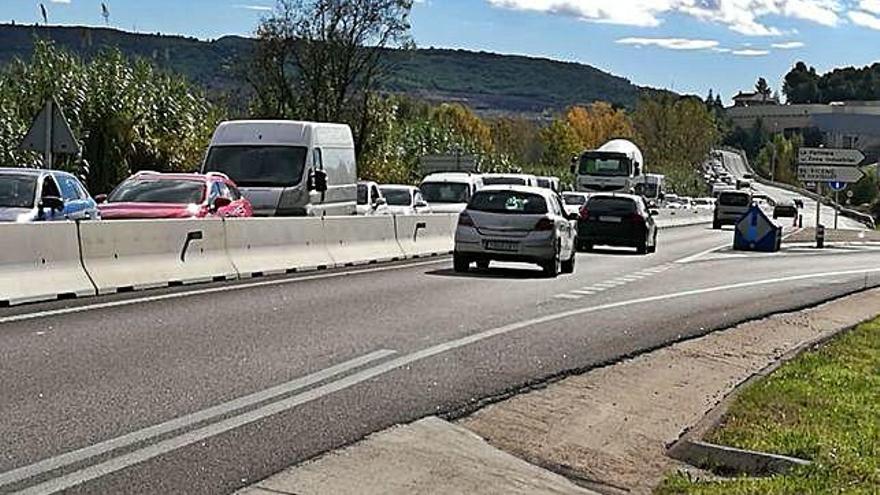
<point x="574" y="201"/>
<point x="518" y="224"/>
<point x="370" y="201"/>
<point x="404" y="200"/>
<point x="703" y="203"/>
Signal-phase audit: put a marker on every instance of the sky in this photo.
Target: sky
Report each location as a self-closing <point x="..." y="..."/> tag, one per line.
<point x="689" y="46"/>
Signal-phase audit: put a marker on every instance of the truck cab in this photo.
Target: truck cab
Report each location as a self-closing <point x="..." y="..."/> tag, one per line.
<point x="614" y="167"/>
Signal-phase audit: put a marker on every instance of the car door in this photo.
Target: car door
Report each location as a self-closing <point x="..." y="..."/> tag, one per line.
<point x="75" y="205"/>
<point x="49" y="188"/>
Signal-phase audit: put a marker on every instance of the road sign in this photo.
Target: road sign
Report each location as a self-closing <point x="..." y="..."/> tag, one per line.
<point x="756" y="232"/>
<point x="50" y="134"/>
<point x="830" y="156"/>
<point x="825" y="173"/>
<point x="431" y="164"/>
<point x="837" y="186"/>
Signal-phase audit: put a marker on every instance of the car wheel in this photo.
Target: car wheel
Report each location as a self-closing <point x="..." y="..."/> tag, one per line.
<point x="568" y="265"/>
<point x="643" y="247"/>
<point x="653" y="248"/>
<point x="716" y="225"/>
<point x="553" y="266"/>
<point x="585" y="246"/>
<point x="460" y="264"/>
<point x="483" y="265"/>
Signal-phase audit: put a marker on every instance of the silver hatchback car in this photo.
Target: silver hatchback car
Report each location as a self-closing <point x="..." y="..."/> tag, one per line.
<point x="516" y="223"/>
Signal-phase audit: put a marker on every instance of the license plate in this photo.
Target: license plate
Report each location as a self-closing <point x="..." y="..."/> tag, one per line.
<point x="502" y="245"/>
<point x="611" y="219"/>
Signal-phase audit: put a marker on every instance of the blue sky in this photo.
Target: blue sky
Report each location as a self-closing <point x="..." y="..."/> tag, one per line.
<point x="684" y="45"/>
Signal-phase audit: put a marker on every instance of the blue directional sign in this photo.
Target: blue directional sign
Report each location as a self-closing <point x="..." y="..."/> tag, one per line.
<point x="756" y="232"/>
<point x="837" y="186"/>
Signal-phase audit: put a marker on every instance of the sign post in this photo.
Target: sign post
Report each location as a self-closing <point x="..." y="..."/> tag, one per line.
<point x="835" y="167"/>
<point x="50" y="135"/>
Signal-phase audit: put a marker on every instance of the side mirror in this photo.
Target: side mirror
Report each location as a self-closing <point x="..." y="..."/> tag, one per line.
<point x="652" y="204"/>
<point x="573" y="216"/>
<point x="653" y="213"/>
<point x="52" y="202"/>
<point x="421" y="204"/>
<point x="220" y="202"/>
<point x="320" y="181"/>
<point x="379" y="202"/>
<point x="101" y="198"/>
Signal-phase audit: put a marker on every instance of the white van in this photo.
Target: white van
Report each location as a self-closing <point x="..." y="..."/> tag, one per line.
<point x="288" y="168"/>
<point x="449" y="192"/>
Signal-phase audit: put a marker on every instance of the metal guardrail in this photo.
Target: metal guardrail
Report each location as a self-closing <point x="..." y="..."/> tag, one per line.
<point x="858" y="216"/>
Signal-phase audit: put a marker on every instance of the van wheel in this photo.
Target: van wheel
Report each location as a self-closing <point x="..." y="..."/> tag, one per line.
<point x="568" y="266"/>
<point x="460" y="264"/>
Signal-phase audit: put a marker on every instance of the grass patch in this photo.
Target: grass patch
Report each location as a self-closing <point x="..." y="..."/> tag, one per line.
<point x="823" y="406"/>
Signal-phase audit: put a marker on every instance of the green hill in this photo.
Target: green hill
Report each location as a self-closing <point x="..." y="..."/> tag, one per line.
<point x="488" y="82"/>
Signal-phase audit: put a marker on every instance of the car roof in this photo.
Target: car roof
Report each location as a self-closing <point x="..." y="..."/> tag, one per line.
<point x="176" y="176"/>
<point x="397" y="186"/>
<point x="36" y="172"/>
<point x="547" y="193"/>
<point x="518" y="176"/>
<point x="633" y="197"/>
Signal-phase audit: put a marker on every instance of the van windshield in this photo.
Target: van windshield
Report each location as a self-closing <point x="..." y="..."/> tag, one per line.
<point x="606" y="166"/>
<point x="445" y="192"/>
<point x="259" y="166"/>
<point x="504" y="181"/>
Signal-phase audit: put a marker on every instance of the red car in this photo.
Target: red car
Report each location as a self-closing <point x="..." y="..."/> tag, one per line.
<point x="156" y="195"/>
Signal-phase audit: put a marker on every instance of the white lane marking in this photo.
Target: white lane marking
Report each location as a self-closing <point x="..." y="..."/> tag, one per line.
<point x="213" y="290"/>
<point x="604" y="285"/>
<point x="583" y="292"/>
<point x="630" y="278"/>
<point x="135" y="457"/>
<point x="694" y="257"/>
<point x="132" y="438"/>
<point x="567" y="296"/>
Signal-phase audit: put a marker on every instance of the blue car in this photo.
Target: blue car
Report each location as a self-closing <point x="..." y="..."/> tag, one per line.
<point x="32" y="195"/>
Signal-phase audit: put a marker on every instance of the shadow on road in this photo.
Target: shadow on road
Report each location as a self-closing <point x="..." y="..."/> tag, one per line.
<point x="497" y="273"/>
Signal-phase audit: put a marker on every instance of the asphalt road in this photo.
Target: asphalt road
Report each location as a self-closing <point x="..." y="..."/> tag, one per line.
<point x="131" y="393"/>
<point x="735" y="165"/>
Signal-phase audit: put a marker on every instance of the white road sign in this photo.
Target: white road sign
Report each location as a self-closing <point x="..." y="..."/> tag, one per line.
<point x="821" y="173"/>
<point x="830" y="156"/>
<point x="447" y="163"/>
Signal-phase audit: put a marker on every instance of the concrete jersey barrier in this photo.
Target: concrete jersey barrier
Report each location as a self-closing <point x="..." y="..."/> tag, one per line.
<point x="272" y="246"/>
<point x="426" y="235"/>
<point x="40" y="262"/>
<point x="361" y="240"/>
<point x="141" y="254"/>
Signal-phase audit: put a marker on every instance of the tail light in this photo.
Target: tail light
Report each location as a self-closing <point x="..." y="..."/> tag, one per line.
<point x="584" y="213"/>
<point x="634" y="218"/>
<point x="465" y="220"/>
<point x="545" y="224"/>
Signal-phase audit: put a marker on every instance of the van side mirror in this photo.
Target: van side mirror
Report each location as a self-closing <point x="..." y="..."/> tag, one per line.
<point x="52" y="202"/>
<point x="319" y="181"/>
<point x="379" y="202"/>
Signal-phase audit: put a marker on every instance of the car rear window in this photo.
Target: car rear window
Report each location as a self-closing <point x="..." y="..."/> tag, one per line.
<point x="508" y="202"/>
<point x="729" y="199"/>
<point x="612" y="206"/>
<point x="574" y="199"/>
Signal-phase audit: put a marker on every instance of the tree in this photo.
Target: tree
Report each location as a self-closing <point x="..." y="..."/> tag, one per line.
<point x="127" y="115"/>
<point x="763" y="88"/>
<point x="596" y="124"/>
<point x="321" y="59"/>
<point x="560" y="144"/>
<point x="801" y="85"/>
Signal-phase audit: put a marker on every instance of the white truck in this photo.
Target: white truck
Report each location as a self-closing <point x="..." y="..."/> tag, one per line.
<point x="615" y="167"/>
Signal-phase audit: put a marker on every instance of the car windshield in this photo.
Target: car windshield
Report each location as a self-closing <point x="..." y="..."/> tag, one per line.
<point x="545" y="183"/>
<point x="574" y="199"/>
<point x="397" y="197"/>
<point x="504" y="181"/>
<point x="259" y="166"/>
<point x="735" y="199"/>
<point x="607" y="166"/>
<point x="508" y="202"/>
<point x="170" y="191"/>
<point x="445" y="192"/>
<point x="612" y="206"/>
<point x="17" y="190"/>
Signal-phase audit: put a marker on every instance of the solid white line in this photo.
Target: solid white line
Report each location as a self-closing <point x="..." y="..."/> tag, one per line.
<point x="583" y="292"/>
<point x="190" y="419"/>
<point x="566" y="296"/>
<point x="213" y="290"/>
<point x="119" y="463"/>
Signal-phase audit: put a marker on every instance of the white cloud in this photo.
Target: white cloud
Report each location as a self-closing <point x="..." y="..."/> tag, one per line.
<point x="258" y="8"/>
<point x="60" y="1"/>
<point x="750" y="52"/>
<point x="670" y="43"/>
<point x="742" y="16"/>
<point x="865" y="19"/>
<point x="871" y="6"/>
<point x="788" y="45"/>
